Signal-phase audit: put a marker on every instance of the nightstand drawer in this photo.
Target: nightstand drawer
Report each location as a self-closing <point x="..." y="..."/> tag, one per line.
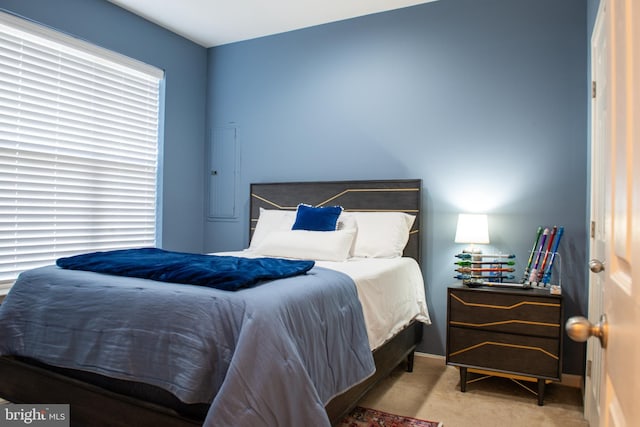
<point x="535" y="356"/>
<point x="493" y="311"/>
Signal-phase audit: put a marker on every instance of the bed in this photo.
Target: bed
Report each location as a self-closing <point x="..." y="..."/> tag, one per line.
<point x="99" y="399"/>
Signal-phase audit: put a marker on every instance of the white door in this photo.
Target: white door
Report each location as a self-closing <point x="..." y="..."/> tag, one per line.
<point x="614" y="402"/>
<point x="599" y="158"/>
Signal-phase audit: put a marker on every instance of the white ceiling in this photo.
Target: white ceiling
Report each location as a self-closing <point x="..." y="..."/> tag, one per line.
<point x="216" y="22"/>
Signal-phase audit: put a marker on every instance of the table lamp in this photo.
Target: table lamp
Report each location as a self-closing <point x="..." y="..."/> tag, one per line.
<point x="472" y="229"/>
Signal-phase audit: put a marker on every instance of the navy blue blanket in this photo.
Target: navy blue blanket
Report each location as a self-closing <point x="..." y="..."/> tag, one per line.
<point x="221" y="272"/>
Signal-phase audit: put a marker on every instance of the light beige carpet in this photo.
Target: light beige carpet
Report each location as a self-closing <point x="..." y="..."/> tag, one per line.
<point x="432" y="392"/>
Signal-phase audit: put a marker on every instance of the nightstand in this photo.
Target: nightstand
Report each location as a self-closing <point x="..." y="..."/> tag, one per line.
<point x="508" y="332"/>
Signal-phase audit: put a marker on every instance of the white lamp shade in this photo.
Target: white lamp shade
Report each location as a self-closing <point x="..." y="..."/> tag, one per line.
<point x="472" y="228"/>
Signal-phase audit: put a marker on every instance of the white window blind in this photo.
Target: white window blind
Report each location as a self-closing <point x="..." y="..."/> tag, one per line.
<point x="78" y="148"/>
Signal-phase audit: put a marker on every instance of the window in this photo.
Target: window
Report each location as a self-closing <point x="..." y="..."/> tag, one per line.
<point x="78" y="148"/>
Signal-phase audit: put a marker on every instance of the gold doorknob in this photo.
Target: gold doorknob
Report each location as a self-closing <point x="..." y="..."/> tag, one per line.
<point x="596" y="266"/>
<point x="580" y="329"/>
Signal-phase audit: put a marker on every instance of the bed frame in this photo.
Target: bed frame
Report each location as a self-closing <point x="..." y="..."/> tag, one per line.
<point x="95" y="402"/>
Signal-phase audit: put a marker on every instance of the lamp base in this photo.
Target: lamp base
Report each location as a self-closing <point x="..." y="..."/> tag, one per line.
<point x="475" y="253"/>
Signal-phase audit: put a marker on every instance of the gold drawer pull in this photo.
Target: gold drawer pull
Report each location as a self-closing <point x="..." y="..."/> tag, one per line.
<point x="503" y="307"/>
<point x="505" y="322"/>
<point x="482" y="344"/>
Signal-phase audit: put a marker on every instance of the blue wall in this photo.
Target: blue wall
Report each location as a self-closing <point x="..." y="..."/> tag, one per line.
<point x="185" y="63"/>
<point x="484" y="100"/>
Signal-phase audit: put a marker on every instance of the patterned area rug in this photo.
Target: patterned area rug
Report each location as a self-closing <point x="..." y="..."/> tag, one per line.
<point x="365" y="417"/>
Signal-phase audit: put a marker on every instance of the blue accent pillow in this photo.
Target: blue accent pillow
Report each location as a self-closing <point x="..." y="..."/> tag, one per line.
<point x="313" y="218"/>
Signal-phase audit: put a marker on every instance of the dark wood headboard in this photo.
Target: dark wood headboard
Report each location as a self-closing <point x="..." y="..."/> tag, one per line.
<point x="385" y="195"/>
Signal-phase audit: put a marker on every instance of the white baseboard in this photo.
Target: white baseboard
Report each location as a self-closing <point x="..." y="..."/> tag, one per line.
<point x="432" y="356"/>
<point x="568" y="380"/>
<point x="571" y="380"/>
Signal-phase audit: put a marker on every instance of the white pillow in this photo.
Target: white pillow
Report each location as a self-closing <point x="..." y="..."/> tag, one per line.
<point x="346" y="221"/>
<point x="305" y="244"/>
<point x="271" y="220"/>
<point x="381" y="234"/>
